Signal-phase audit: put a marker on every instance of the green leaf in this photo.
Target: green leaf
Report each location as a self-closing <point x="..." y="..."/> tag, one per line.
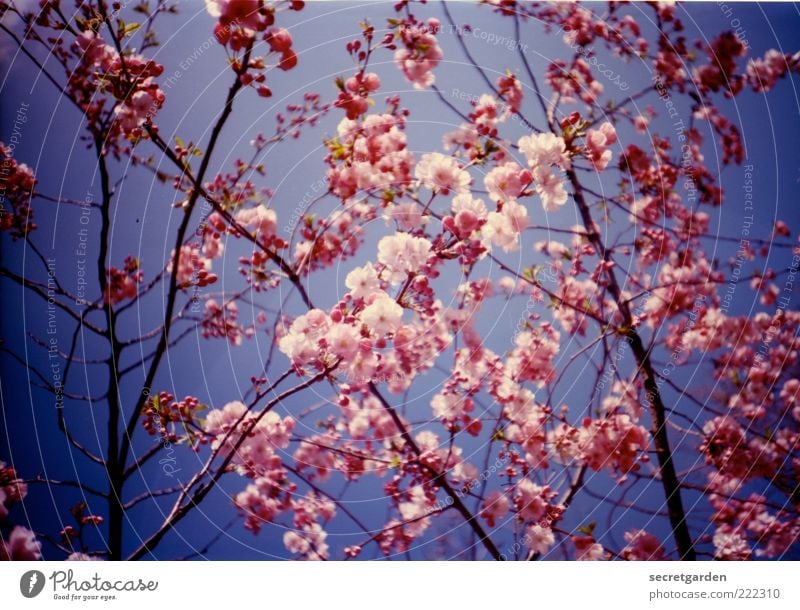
<point x="588" y="529"/>
<point x="130" y="28"/>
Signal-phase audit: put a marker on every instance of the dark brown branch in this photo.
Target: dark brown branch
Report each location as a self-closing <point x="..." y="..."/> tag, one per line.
<point x="180" y="510"/>
<point x="439" y="477"/>
<point x="658" y="430"/>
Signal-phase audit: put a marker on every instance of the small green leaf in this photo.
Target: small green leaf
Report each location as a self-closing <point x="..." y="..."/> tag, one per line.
<point x="588" y="529"/>
<point x="130" y="28"/>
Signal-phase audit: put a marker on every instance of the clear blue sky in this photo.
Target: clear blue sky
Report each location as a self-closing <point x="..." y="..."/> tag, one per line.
<point x="218" y="374"/>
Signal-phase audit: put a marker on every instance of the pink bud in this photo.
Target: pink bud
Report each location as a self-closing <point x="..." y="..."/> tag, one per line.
<point x="352" y="84"/>
<point x="372" y="82"/>
<point x="279" y="40"/>
<point x="288" y="61"/>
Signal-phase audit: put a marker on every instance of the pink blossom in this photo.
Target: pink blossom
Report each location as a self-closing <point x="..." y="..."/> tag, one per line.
<point x="343" y="341"/>
<point x="95" y="51"/>
<point x="82" y="557"/>
<point x="763" y="73"/>
<point x="414" y="512"/>
<point x="243" y="13"/>
<point x="532" y="501"/>
<point x="403" y="254"/>
<point x="564" y="443"/>
<point x="12" y="490"/>
<point x="506" y="182"/>
<point x="468" y="211"/>
<point x="574" y="81"/>
<point x="576" y="296"/>
<point x="308" y="543"/>
<point x="486" y="115"/>
<point x="465" y="138"/>
<point x="442" y="174"/>
<point x="614" y="443"/>
<point x="267" y="432"/>
<point x="642" y="546"/>
<point x="510" y="89"/>
<point x="122" y="284"/>
<point x="598" y="143"/>
<point x="378" y="159"/>
<point x="503" y="228"/>
<point x="544" y="149"/>
<point x="587" y="549"/>
<point x="730" y="545"/>
<point x="550" y="188"/>
<point x="450" y="407"/>
<point x="419" y="55"/>
<point x="262" y="220"/>
<point x="408" y="216"/>
<point x="641" y="123"/>
<point x="193" y="267"/>
<point x="221" y="322"/>
<point x="495" y="507"/>
<point x="539" y="539"/>
<point x="790" y="394"/>
<point x="138" y="109"/>
<point x="363" y="281"/>
<point x="382" y="316"/>
<point x="533" y="355"/>
<point x="20" y="545"/>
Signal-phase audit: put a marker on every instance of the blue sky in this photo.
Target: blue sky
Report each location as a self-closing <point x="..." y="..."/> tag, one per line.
<point x="217" y="373"/>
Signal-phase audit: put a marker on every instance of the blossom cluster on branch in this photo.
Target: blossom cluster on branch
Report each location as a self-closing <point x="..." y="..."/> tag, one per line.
<point x="633" y="279"/>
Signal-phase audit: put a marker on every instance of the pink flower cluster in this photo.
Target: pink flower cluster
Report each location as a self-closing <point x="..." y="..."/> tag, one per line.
<point x="253" y="438"/>
<point x="642" y="546"/>
<point x="588" y="549"/>
<point x="12" y="490"/>
<point x="509" y="88"/>
<point x="534" y="353"/>
<point x="684" y="282"/>
<point x="534" y="503"/>
<point x="598" y="143"/>
<point x="129" y="78"/>
<point x="507" y="182"/>
<point x="745" y="523"/>
<point x="442" y="174"/>
<point x="402" y="255"/>
<point x="574" y="81"/>
<point x="21" y="545"/>
<point x="504" y="227"/>
<point x="18" y="183"/>
<point x="615" y="443"/>
<point x="467" y="216"/>
<point x="546" y="153"/>
<point x="221" y="321"/>
<point x="240" y="23"/>
<point x="370" y="155"/>
<point x="194" y="268"/>
<point x="720" y="73"/>
<point x="355" y="93"/>
<point x="420" y="52"/>
<point x="123" y="283"/>
<point x="495" y="507"/>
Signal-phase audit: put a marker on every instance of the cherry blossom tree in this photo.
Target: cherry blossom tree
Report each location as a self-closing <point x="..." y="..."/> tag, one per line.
<point x="689" y="417"/>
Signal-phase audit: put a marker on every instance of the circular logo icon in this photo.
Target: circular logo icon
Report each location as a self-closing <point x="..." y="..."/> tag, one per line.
<point x="31" y="583"/>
